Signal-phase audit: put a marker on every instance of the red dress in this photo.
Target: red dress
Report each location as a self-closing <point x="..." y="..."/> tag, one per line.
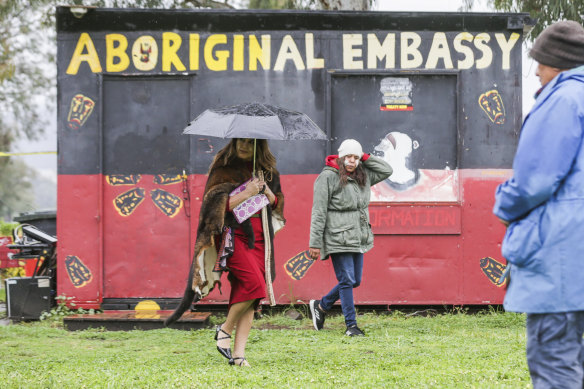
<point x="247" y="266"/>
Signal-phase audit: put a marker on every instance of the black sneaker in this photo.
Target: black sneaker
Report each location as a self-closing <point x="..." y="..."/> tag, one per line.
<point x="354" y="331"/>
<point x="317" y="315"/>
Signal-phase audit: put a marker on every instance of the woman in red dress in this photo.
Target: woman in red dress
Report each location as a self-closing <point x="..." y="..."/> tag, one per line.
<point x="244" y="249"/>
<point x="247" y="263"/>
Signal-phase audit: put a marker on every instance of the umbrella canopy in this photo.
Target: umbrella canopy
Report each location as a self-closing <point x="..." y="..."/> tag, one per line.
<point x="255" y="120"/>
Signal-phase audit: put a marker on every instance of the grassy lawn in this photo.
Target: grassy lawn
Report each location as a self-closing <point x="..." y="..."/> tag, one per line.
<point x="449" y="350"/>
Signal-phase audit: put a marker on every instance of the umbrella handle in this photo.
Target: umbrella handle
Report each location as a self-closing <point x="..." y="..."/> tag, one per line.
<point x="254" y="157"/>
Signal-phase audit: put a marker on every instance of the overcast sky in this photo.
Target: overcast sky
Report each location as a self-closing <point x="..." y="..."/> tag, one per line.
<point x="46" y="165"/>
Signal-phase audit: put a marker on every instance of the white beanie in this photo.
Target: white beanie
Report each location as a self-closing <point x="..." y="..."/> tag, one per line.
<point x="350" y="147"/>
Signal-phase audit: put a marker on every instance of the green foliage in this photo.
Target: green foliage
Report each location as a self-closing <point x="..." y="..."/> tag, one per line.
<point x="64" y="308"/>
<point x="446" y="351"/>
<point x="28" y="83"/>
<point x="27" y="51"/>
<point x="7" y="228"/>
<point x="272" y="4"/>
<point x="545" y="11"/>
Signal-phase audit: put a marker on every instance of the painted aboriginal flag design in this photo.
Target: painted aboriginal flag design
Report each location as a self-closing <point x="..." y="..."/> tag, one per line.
<point x="493" y="270"/>
<point x="492" y="103"/>
<point x="126" y="203"/>
<point x="123" y="179"/>
<point x="167" y="202"/>
<point x="80" y="109"/>
<point x="78" y="273"/>
<point x="167" y="179"/>
<point x="298" y="266"/>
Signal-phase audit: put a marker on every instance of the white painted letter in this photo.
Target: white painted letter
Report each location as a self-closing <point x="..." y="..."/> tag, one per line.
<point x="288" y="50"/>
<point x="480" y="43"/>
<point x="408" y="50"/>
<point x="439" y="50"/>
<point x="506" y="47"/>
<point x="376" y="51"/>
<point x="311" y="61"/>
<point x="468" y="60"/>
<point x="350" y="53"/>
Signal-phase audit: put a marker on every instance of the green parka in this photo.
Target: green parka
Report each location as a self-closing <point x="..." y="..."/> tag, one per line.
<point x="340" y="215"/>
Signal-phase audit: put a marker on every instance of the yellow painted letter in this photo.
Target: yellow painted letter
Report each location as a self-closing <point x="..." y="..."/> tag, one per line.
<point x="238" y="52"/>
<point x="194" y="52"/>
<point x="84" y="43"/>
<point x="145" y="53"/>
<point x="259" y="53"/>
<point x="115" y="47"/>
<point x="219" y="63"/>
<point x="170" y="44"/>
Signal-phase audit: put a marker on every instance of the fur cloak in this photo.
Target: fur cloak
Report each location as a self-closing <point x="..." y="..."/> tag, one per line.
<point x="213" y="216"/>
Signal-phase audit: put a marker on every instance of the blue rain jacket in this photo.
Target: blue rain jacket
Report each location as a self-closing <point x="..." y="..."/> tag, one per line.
<point x="544" y="201"/>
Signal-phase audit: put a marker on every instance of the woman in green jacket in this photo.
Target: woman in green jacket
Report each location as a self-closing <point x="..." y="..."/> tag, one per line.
<point x="340" y="226"/>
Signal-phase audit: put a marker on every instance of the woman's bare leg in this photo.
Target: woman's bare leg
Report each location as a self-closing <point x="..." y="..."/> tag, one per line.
<point x="236" y="311"/>
<point x="243" y="327"/>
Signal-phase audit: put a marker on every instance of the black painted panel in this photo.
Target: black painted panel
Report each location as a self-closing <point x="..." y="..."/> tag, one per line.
<point x="431" y="125"/>
<point x="143" y="123"/>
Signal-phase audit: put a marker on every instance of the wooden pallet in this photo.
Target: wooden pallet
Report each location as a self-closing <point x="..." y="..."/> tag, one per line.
<point x="135" y="320"/>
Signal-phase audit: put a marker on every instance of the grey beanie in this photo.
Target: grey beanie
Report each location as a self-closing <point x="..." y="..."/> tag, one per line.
<point x="561" y="45"/>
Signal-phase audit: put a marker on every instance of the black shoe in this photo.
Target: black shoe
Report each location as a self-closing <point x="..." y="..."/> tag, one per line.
<point x="240" y="363"/>
<point x="226" y="352"/>
<point x="317" y="315"/>
<point x="354" y="331"/>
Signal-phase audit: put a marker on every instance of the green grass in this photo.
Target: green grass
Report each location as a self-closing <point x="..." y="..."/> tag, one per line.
<point x="450" y="350"/>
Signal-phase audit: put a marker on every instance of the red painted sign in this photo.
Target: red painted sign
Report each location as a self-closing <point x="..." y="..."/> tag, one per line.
<point x="415" y="219"/>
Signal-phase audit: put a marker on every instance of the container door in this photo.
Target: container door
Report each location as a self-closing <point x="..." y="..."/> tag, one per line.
<point x="410" y="120"/>
<point x="144" y="155"/>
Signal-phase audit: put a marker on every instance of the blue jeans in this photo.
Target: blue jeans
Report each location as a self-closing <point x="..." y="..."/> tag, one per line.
<point x="349" y="270"/>
<point x="555" y="350"/>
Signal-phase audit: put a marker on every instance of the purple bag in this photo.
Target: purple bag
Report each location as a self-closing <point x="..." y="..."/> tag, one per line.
<point x="250" y="206"/>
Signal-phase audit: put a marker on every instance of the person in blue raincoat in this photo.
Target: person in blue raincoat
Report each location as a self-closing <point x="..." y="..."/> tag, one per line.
<point x="543" y="208"/>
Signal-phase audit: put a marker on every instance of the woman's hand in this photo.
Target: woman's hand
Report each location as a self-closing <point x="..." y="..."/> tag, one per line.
<point x="251" y="189"/>
<point x="314" y="253"/>
<point x="254" y="187"/>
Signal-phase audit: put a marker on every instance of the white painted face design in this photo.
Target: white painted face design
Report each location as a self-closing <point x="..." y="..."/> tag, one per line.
<point x="396" y="149"/>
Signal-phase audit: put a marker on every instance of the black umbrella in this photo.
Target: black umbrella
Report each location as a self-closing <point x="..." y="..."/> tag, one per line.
<point x="257" y="121"/>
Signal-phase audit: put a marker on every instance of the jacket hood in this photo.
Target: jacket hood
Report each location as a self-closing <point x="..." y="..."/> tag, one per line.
<point x="331" y="161"/>
<point x="576" y="74"/>
<point x="572" y="74"/>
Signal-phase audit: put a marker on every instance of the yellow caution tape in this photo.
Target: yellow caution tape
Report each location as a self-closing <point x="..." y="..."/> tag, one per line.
<point x="3" y="154"/>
